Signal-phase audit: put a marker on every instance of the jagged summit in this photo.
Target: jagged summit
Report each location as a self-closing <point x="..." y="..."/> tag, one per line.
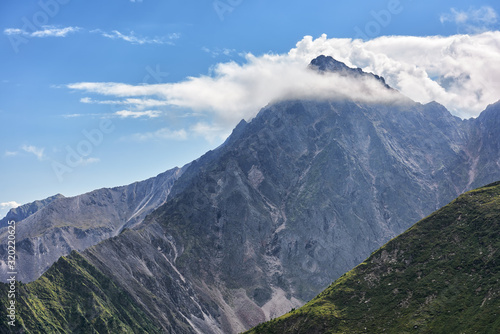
<point x="329" y="64"/>
<point x="324" y="63"/>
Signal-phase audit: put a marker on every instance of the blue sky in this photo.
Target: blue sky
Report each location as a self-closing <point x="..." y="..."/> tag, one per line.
<point x="100" y="94"/>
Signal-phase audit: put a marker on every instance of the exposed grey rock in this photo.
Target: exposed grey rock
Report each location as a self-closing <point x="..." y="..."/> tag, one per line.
<point x="483" y="147"/>
<point x="76" y="223"/>
<point x="327" y="64"/>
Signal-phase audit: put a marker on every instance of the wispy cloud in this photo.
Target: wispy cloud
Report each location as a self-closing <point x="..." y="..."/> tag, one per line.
<point x="88" y="161"/>
<point x="473" y="20"/>
<point x="117" y="89"/>
<point x="139" y="103"/>
<point x="215" y="52"/>
<point x="137" y="39"/>
<point x="138" y="114"/>
<point x="211" y="132"/>
<point x="119" y="114"/>
<point x="162" y="134"/>
<point x="11" y="153"/>
<point x="38" y="152"/>
<point x="46" y="31"/>
<point x="53" y="31"/>
<point x="73" y="115"/>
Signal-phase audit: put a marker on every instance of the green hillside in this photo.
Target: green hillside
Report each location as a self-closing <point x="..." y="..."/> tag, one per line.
<point x="74" y="297"/>
<point x="440" y="276"/>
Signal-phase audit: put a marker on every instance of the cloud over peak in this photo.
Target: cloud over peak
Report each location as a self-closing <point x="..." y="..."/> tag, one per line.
<point x="236" y="91"/>
<point x="460" y="72"/>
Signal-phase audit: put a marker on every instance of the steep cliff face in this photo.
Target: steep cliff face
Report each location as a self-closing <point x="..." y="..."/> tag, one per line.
<point x="76" y="223"/>
<point x="291" y="201"/>
<point x="441" y="276"/>
<point x="483" y="146"/>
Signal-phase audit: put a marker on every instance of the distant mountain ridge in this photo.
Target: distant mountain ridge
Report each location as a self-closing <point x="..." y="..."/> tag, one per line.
<point x="46" y="230"/>
<point x="26" y="210"/>
<point x="290" y="202"/>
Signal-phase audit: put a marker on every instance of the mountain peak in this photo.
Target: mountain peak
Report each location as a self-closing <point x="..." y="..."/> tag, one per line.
<point x="329" y="64"/>
<point x="324" y="64"/>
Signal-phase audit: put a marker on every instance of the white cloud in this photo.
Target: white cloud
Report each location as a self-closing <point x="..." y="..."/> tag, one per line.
<point x="239" y="91"/>
<point x="53" y="31"/>
<point x="14" y="31"/>
<point x="88" y="161"/>
<point x="137" y="114"/>
<point x="162" y="134"/>
<point x="38" y="152"/>
<point x="9" y="205"/>
<point x="459" y="71"/>
<point x="121" y="113"/>
<point x="139" y="103"/>
<point x="135" y="39"/>
<point x="215" y="52"/>
<point x="473" y="20"/>
<point x="11" y="153"/>
<point x="116" y="89"/>
<point x="73" y="115"/>
<point x="211" y="132"/>
<point x="47" y="31"/>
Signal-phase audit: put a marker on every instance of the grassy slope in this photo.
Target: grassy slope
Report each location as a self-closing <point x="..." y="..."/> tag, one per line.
<point x="74" y="297"/>
<point x="440" y="276"/>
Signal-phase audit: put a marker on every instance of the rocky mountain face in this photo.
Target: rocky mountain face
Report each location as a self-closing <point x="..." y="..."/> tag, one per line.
<point x="49" y="229"/>
<point x="441" y="276"/>
<point x="291" y="201"/>
<point x="483" y="146"/>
